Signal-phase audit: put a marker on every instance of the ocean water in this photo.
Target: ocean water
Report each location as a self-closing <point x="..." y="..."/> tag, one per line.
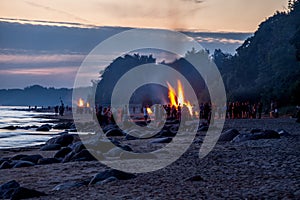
<point x="19" y="116"/>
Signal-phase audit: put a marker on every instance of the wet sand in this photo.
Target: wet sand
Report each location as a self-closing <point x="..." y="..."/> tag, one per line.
<point x="267" y="168"/>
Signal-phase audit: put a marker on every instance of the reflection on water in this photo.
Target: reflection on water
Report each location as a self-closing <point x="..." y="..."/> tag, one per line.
<point x="15" y="116"/>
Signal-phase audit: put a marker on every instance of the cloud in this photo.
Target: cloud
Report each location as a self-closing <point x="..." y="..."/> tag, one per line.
<point x="194" y="1"/>
<point x="50" y="71"/>
<point x="48" y="8"/>
<point x="219" y="40"/>
<point x="31" y="59"/>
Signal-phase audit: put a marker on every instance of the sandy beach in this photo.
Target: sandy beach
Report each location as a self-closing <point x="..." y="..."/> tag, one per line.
<point x="254" y="169"/>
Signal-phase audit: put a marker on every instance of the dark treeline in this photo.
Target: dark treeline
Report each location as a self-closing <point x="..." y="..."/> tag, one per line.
<point x="266" y="67"/>
<point x="35" y="96"/>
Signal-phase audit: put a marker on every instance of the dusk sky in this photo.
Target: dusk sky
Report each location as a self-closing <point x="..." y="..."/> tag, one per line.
<point x="46" y="55"/>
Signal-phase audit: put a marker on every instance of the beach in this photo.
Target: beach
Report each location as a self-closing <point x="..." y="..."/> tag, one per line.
<point x="252" y="169"/>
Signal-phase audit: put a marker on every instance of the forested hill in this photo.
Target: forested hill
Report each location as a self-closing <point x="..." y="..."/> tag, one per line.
<point x="267" y="65"/>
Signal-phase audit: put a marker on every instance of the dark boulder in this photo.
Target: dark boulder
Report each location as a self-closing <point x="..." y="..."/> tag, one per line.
<point x="18" y="157"/>
<point x="83" y="155"/>
<point x="77" y="146"/>
<point x="283" y="133"/>
<point x="161" y="140"/>
<point x="10" y="128"/>
<point x="68" y="157"/>
<point x="111" y="173"/>
<point x="256" y="130"/>
<point x="130" y="137"/>
<point x="68" y="185"/>
<point x="114" y="132"/>
<point x="228" y="135"/>
<point x="22" y="163"/>
<point x="5" y="165"/>
<point x="63" y="152"/>
<point x="166" y="133"/>
<point x="44" y="127"/>
<point x="62" y="126"/>
<point x="202" y="128"/>
<point x="46" y="161"/>
<point x="7" y="189"/>
<point x="242" y="138"/>
<point x="64" y="140"/>
<point x="267" y="134"/>
<point x="25" y="193"/>
<point x="51" y="147"/>
<point x="32" y="158"/>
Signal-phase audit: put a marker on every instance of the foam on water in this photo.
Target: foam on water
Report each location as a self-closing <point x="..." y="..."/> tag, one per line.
<point x="18" y="116"/>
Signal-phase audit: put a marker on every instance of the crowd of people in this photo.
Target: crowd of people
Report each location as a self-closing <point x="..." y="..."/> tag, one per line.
<point x="231" y="110"/>
<point x="244" y="110"/>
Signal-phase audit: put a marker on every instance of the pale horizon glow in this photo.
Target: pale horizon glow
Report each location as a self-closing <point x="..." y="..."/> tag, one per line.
<point x="206" y="15"/>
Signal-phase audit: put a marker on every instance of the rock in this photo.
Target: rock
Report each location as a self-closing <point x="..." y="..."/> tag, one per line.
<point x="22" y="163"/>
<point x="202" y="128"/>
<point x="62" y="126"/>
<point x="114" y="133"/>
<point x="283" y="133"/>
<point x="2" y="160"/>
<point x="242" y="138"/>
<point x="68" y="185"/>
<point x="166" y="133"/>
<point x="267" y="134"/>
<point x="63" y="152"/>
<point x="24" y="193"/>
<point x="5" y="165"/>
<point x="109" y="127"/>
<point x="228" y="135"/>
<point x="195" y="178"/>
<point x="18" y="157"/>
<point x="68" y="157"/>
<point x="174" y="129"/>
<point x="108" y="180"/>
<point x="83" y="155"/>
<point x="51" y="141"/>
<point x="125" y="147"/>
<point x="46" y="161"/>
<point x="51" y="147"/>
<point x="77" y="146"/>
<point x="44" y="127"/>
<point x="7" y="189"/>
<point x="256" y="130"/>
<point x="10" y="128"/>
<point x="32" y="158"/>
<point x="111" y="173"/>
<point x="115" y="152"/>
<point x="161" y="140"/>
<point x="130" y="137"/>
<point x="64" y="140"/>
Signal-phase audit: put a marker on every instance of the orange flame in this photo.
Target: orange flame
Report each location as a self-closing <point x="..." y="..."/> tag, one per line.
<point x="149" y="111"/>
<point x="80" y="102"/>
<point x="172" y="95"/>
<point x="87" y="104"/>
<point x="180" y="97"/>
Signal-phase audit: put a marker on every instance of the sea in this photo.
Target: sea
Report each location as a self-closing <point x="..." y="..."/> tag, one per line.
<point x="23" y="117"/>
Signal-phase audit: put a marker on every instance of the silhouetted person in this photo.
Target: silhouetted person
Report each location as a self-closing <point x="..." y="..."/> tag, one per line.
<point x="61" y="109"/>
<point x="56" y="110"/>
<point x="259" y="109"/>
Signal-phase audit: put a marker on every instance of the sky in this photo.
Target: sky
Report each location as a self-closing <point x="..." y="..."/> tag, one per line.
<point x="32" y="53"/>
<point x="203" y="15"/>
